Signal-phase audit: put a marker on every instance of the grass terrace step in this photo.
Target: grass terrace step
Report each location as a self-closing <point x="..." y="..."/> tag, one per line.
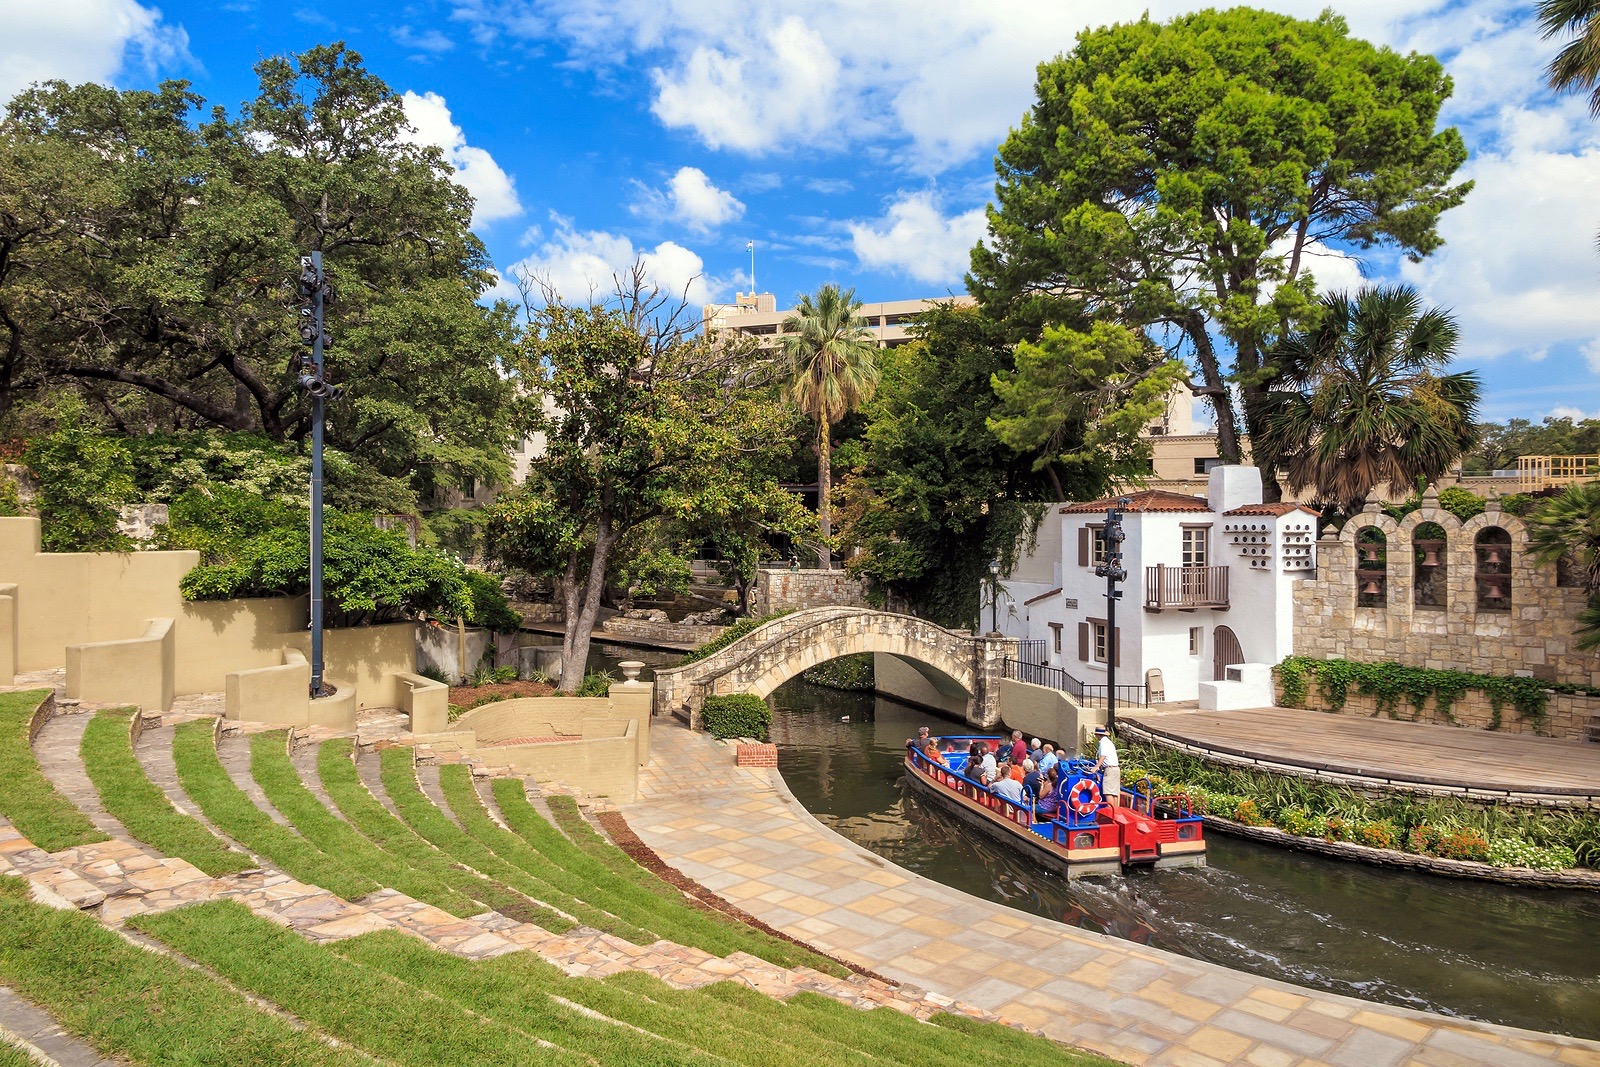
<point x="342" y="782"/>
<point x="639" y="895"/>
<point x="276" y="775"/>
<point x="371" y="1010"/>
<point x="129" y="1002"/>
<point x="228" y="808"/>
<point x="35" y="808"/>
<point x="12" y="1056"/>
<point x="141" y="807"/>
<point x="400" y="782"/>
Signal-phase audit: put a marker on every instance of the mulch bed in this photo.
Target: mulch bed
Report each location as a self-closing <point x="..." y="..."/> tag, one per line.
<point x="465" y="696"/>
<point x="622" y="835"/>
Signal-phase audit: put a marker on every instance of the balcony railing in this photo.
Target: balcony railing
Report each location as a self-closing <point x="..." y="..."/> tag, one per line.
<point x="1543" y="472"/>
<point x="1185" y="588"/>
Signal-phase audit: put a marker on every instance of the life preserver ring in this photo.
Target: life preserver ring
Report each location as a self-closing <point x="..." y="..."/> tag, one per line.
<point x="1084" y="797"/>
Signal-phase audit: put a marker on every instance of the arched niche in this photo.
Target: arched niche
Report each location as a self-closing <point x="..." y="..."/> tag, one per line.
<point x="1492" y="575"/>
<point x="1372" y="568"/>
<point x="1430" y="567"/>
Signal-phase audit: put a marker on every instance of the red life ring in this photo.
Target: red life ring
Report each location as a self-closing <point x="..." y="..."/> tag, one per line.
<point x="1084" y="797"/>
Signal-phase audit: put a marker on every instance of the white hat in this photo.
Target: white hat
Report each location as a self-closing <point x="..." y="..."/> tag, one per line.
<point x="1099" y="729"/>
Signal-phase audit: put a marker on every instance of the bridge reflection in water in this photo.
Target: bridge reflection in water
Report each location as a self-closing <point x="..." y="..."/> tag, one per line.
<point x="1489" y="952"/>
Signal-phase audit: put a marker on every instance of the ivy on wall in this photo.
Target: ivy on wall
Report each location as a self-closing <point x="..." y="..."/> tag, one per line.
<point x="1391" y="683"/>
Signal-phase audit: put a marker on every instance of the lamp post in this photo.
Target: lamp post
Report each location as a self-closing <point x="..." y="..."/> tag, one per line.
<point x="1111" y="570"/>
<point x="314" y="293"/>
<point x="994" y="596"/>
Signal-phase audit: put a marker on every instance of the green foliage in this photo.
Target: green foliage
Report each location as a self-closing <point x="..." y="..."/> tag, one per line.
<point x="596" y="684"/>
<point x="1432" y="826"/>
<point x="737" y="715"/>
<point x="171" y="229"/>
<point x="728" y="637"/>
<point x="458" y="531"/>
<point x="1512" y="851"/>
<point x="140" y="806"/>
<point x="1500" y="445"/>
<point x="141" y="1006"/>
<point x="435" y="674"/>
<point x="10" y="502"/>
<point x="1462" y="503"/>
<point x="853" y="673"/>
<point x="1521" y="504"/>
<point x="1203" y="155"/>
<point x="42" y="815"/>
<point x="1389" y="683"/>
<point x="1083" y="400"/>
<point x="84" y="477"/>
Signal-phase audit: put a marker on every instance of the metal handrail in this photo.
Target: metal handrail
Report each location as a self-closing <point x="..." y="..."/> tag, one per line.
<point x="1086" y="692"/>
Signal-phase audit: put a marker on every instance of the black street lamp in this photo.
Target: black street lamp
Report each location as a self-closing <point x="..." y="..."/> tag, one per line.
<point x="314" y="290"/>
<point x="1111" y="570"/>
<point x="994" y="596"/>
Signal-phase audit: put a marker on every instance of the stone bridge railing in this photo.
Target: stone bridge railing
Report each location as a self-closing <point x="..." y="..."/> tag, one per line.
<point x="777" y="651"/>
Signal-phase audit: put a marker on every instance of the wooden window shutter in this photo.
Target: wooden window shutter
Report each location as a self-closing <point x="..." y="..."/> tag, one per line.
<point x="1116" y="646"/>
<point x="1083" y="546"/>
<point x="1083" y="641"/>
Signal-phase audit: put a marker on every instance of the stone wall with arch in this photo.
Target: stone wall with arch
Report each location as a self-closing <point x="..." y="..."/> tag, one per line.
<point x="1532" y="634"/>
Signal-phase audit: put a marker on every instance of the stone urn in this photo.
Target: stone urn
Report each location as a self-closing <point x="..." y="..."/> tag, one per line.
<point x="630" y="671"/>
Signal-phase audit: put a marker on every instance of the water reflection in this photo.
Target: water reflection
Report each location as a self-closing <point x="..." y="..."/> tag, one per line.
<point x="1489" y="952"/>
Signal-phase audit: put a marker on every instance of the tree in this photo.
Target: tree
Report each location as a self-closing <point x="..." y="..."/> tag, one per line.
<point x="1500" y="445"/>
<point x="1179" y="178"/>
<point x="1081" y="400"/>
<point x="147" y="251"/>
<point x="1577" y="66"/>
<point x="642" y="422"/>
<point x="1361" y="400"/>
<point x="833" y="370"/>
<point x="1567" y="527"/>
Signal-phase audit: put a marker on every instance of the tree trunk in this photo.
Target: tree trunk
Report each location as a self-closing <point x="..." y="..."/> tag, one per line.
<point x="573" y="595"/>
<point x="580" y="629"/>
<point x="1216" y="388"/>
<point x="824" y="491"/>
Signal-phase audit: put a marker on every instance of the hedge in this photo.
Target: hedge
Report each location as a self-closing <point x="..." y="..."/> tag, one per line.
<point x="737" y="715"/>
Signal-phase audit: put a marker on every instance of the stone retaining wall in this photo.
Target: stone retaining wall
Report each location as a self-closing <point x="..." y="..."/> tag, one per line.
<point x="1576" y="878"/>
<point x="675" y="633"/>
<point x="779" y="589"/>
<point x="1566" y="715"/>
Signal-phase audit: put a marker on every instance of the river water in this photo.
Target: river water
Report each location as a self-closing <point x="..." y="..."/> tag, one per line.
<point x="1483" y="951"/>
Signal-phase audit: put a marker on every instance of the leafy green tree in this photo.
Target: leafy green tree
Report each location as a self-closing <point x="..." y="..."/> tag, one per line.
<point x="644" y="422"/>
<point x="1501" y="445"/>
<point x="1178" y="177"/>
<point x="1081" y="400"/>
<point x="84" y="477"/>
<point x="1361" y="399"/>
<point x="149" y="247"/>
<point x="1567" y="528"/>
<point x="1577" y="66"/>
<point x="833" y="370"/>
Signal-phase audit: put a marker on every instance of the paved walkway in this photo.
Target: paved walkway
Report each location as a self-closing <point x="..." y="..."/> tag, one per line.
<point x="739" y="832"/>
<point x="1436" y="758"/>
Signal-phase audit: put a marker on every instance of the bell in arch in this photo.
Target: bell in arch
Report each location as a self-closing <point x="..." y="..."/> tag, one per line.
<point x="1370" y="587"/>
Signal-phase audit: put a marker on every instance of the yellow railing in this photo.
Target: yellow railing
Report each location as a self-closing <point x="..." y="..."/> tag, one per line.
<point x="1541" y="472"/>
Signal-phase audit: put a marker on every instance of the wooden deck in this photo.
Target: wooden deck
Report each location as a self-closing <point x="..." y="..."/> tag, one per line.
<point x="1404" y="756"/>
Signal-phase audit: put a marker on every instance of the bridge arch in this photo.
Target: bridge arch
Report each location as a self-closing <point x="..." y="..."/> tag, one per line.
<point x="772" y="654"/>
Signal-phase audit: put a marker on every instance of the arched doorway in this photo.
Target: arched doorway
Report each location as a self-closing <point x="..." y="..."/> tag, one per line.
<point x="1225" y="652"/>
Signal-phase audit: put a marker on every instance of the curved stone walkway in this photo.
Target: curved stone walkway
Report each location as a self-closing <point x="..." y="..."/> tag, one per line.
<point x="739" y="832"/>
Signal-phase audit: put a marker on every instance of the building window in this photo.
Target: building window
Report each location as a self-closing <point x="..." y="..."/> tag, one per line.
<point x="1196" y="635"/>
<point x="1203" y="464"/>
<point x="1097" y="545"/>
<point x="1194" y="545"/>
<point x="1100" y="638"/>
<point x="1055" y="633"/>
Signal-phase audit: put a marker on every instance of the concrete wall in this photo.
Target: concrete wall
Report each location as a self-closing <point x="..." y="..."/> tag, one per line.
<point x="916" y="684"/>
<point x="780" y="589"/>
<point x="1048" y="714"/>
<point x="280" y="694"/>
<point x="602" y="766"/>
<point x="136" y="671"/>
<point x="425" y="701"/>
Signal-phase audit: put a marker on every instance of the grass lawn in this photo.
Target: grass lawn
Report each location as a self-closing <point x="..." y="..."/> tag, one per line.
<point x="232" y="811"/>
<point x="132" y="1003"/>
<point x="27" y="798"/>
<point x="142" y="807"/>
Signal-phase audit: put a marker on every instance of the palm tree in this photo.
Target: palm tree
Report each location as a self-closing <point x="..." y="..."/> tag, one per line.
<point x="833" y="370"/>
<point x="1567" y="528"/>
<point x="1361" y="400"/>
<point x="1577" y="65"/>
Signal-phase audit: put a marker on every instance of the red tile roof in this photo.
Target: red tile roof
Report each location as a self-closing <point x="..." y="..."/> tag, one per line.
<point x="1279" y="509"/>
<point x="1147" y="500"/>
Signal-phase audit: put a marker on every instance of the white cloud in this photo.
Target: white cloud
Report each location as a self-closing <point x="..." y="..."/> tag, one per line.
<point x="493" y="191"/>
<point x="584" y="265"/>
<point x="690" y="198"/>
<point x="430" y="41"/>
<point x="82" y="41"/>
<point x="916" y="239"/>
<point x="1591" y="354"/>
<point x="1567" y="411"/>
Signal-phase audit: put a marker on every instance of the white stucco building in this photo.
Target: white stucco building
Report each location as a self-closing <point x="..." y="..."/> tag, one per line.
<point x="1209" y="586"/>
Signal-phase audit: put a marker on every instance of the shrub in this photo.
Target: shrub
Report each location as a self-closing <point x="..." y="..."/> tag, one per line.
<point x="1463" y="845"/>
<point x="1300" y="821"/>
<point x="728" y="637"/>
<point x="1378" y="834"/>
<point x="1247" y="813"/>
<point x="737" y="715"/>
<point x="595" y="684"/>
<point x="1424" y="839"/>
<point x="84" y="477"/>
<point x="1462" y="503"/>
<point x="10" y="502"/>
<point x="1335" y="828"/>
<point x="1514" y="851"/>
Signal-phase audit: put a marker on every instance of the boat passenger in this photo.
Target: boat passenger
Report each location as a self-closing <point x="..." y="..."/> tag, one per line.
<point x="991" y="768"/>
<point x="1048" y="805"/>
<point x="1030" y="778"/>
<point x="1017" y="771"/>
<point x="1048" y="761"/>
<point x="1019" y="747"/>
<point x="1033" y="747"/>
<point x="917" y="742"/>
<point x="931" y="750"/>
<point x="1009" y="788"/>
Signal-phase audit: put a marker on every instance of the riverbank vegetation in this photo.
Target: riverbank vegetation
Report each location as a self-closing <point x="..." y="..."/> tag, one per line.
<point x="1506" y="836"/>
<point x="850" y="673"/>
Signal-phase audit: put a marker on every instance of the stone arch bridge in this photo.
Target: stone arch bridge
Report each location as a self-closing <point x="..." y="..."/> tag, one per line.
<point x="775" y="652"/>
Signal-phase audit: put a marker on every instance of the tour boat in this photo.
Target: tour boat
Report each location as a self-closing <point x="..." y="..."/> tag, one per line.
<point x="1090" y="837"/>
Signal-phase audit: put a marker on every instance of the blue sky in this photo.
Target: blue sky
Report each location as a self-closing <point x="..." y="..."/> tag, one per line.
<point x="853" y="141"/>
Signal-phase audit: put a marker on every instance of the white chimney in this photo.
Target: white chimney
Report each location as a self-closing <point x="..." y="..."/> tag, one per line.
<point x="1233" y="487"/>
